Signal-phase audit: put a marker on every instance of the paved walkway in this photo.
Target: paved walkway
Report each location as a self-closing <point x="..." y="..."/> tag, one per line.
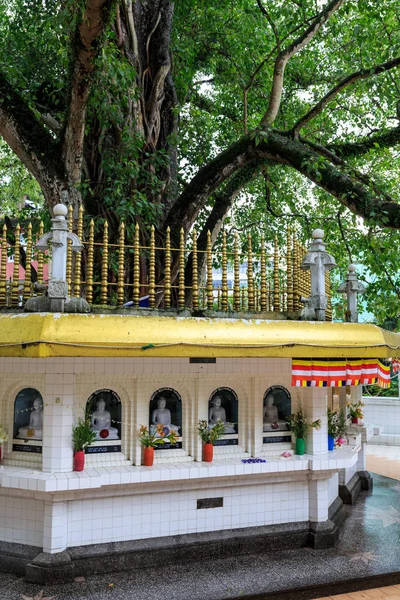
<point x="368" y="552"/>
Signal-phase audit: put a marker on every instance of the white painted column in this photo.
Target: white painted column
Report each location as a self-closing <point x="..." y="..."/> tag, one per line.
<point x="318" y="500"/>
<point x="256" y="418"/>
<point x="55" y="532"/>
<point x="58" y="418"/>
<point x="314" y="401"/>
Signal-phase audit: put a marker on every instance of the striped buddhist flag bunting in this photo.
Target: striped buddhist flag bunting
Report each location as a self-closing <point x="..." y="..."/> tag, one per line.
<point x="337" y="373"/>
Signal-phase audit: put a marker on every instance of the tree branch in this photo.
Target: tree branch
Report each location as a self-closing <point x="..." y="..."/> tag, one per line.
<point x="388" y="139"/>
<point x="86" y="46"/>
<point x="349" y="80"/>
<point x="285" y="55"/>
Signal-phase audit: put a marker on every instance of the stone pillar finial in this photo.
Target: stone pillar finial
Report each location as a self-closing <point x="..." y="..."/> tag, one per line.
<point x="317" y="261"/>
<point x="57" y="299"/>
<point x="351" y="286"/>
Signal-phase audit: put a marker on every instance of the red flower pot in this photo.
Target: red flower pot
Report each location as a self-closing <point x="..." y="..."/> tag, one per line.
<point x="208" y="451"/>
<point x="148" y="456"/>
<point x="354" y="420"/>
<point x="79" y="460"/>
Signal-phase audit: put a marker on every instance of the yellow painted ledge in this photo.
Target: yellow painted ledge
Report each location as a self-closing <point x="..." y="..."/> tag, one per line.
<point x="45" y="335"/>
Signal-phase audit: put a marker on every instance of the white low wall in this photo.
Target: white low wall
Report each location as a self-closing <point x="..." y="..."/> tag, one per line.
<point x="385" y="413"/>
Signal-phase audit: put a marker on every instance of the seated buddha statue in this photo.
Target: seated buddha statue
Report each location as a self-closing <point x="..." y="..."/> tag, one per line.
<point x="217" y="413"/>
<point x="271" y="420"/>
<point x="101" y="420"/>
<point x="162" y="416"/>
<point x="33" y="431"/>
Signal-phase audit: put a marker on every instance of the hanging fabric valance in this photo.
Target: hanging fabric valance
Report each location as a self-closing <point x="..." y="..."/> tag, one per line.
<point x="337" y="373"/>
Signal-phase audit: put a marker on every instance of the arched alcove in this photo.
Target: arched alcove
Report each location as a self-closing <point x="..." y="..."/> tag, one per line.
<point x="28" y="415"/>
<point x="165" y="408"/>
<point x="104" y="410"/>
<point x="223" y="405"/>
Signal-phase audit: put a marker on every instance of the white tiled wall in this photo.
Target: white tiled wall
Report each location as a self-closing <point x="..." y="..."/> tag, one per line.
<point x="94" y="520"/>
<point x="21" y="520"/>
<point x="386" y="413"/>
<point x="333" y="485"/>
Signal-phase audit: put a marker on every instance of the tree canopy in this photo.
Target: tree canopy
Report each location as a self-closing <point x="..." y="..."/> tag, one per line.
<point x="242" y="112"/>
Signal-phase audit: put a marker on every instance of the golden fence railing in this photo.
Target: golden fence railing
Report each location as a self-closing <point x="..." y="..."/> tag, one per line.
<point x="233" y="279"/>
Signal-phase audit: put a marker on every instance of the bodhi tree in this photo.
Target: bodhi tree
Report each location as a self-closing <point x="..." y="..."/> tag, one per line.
<point x="167" y="114"/>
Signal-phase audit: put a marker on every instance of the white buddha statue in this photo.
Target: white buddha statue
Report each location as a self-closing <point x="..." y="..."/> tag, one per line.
<point x="271" y="420"/>
<point x="162" y="416"/>
<point x="33" y="431"/>
<point x="217" y="413"/>
<point x="101" y="419"/>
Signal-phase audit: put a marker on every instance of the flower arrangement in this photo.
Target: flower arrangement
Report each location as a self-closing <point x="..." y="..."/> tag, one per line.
<point x="209" y="436"/>
<point x="356" y="410"/>
<point x="3" y="435"/>
<point x="333" y="423"/>
<point x="300" y="425"/>
<point x="82" y="434"/>
<point x="161" y="435"/>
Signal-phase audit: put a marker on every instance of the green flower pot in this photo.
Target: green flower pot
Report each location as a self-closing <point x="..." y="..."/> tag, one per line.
<point x="300" y="446"/>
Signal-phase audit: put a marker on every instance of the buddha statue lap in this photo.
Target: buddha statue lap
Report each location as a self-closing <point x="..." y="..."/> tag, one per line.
<point x="101" y="422"/>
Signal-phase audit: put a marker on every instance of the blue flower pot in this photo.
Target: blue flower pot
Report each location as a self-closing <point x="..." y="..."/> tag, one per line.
<point x="331" y="442"/>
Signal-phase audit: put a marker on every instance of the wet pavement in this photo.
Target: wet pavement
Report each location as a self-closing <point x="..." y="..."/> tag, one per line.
<point x="367" y="556"/>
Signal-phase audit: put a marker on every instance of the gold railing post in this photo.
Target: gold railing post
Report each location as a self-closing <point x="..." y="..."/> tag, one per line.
<point x="263" y="277"/>
<point x="195" y="274"/>
<point x="224" y="286"/>
<point x="121" y="265"/>
<point x="104" y="266"/>
<point x="3" y="269"/>
<point x="78" y="256"/>
<point x="181" y="294"/>
<point x="236" y="275"/>
<point x="152" y="269"/>
<point x="167" y="278"/>
<point x="250" y="282"/>
<point x="289" y="272"/>
<point x="69" y="251"/>
<point x="89" y="278"/>
<point x="15" y="283"/>
<point x="276" y="277"/>
<point x="210" y="298"/>
<point x="295" y="274"/>
<point x="28" y="265"/>
<point x="136" y="267"/>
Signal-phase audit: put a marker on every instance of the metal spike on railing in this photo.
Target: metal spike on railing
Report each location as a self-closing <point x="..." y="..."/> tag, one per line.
<point x="78" y="256"/>
<point x="224" y="280"/>
<point x="210" y="297"/>
<point x="250" y="281"/>
<point x="136" y="267"/>
<point x="89" y="278"/>
<point x="181" y="294"/>
<point x="243" y="299"/>
<point x="167" y="277"/>
<point x="15" y="283"/>
<point x="3" y="268"/>
<point x="69" y="251"/>
<point x="104" y="266"/>
<point x="289" y="271"/>
<point x="263" y="277"/>
<point x="121" y="265"/>
<point x="295" y="274"/>
<point x="28" y="263"/>
<point x="152" y="269"/>
<point x="219" y="298"/>
<point x="276" y="277"/>
<point x="195" y="275"/>
<point x="236" y="274"/>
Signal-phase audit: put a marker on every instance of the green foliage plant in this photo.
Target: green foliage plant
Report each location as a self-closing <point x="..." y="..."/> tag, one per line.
<point x="210" y="435"/>
<point x="82" y="434"/>
<point x="299" y="424"/>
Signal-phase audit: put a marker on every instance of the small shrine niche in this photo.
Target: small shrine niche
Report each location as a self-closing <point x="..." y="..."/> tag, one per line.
<point x="165" y="409"/>
<point x="104" y="410"/>
<point x="224" y="406"/>
<point x="28" y="421"/>
<point x="277" y="407"/>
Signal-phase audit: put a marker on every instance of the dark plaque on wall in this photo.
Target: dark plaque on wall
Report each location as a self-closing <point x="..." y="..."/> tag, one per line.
<point x="166" y="409"/>
<point x="224" y="406"/>
<point x="203" y="360"/>
<point x="102" y="449"/>
<point x="210" y="503"/>
<point x="278" y="439"/>
<point x="27" y="448"/>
